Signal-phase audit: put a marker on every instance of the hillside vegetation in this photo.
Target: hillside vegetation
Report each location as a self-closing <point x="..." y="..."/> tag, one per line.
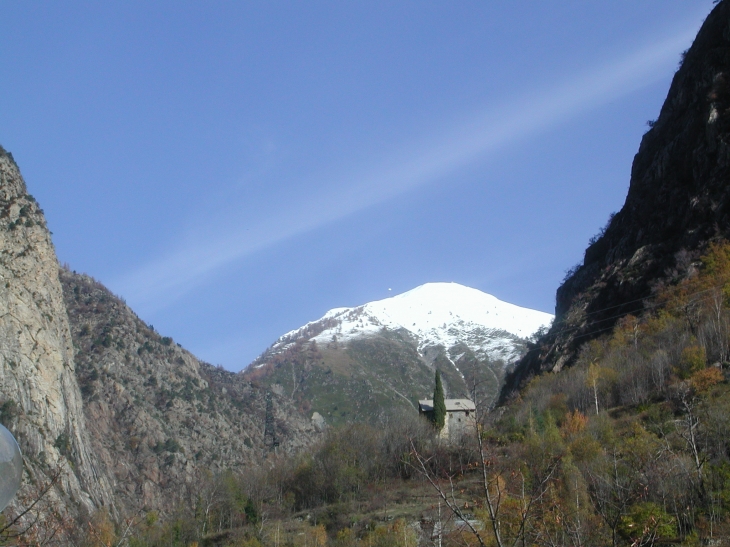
<point x="640" y="425"/>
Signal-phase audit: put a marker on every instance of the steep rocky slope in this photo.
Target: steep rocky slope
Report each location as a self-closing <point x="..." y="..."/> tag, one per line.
<point x="40" y="400"/>
<point x="678" y="201"/>
<point x="157" y="416"/>
<point x="355" y="364"/>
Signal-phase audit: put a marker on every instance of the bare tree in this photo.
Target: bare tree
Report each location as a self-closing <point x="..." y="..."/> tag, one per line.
<point x="507" y="494"/>
<point x="35" y="519"/>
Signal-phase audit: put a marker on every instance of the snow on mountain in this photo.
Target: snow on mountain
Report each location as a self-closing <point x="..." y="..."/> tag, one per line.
<point x="445" y="314"/>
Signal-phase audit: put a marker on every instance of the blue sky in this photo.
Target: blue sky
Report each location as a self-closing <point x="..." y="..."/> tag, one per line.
<point x="235" y="169"/>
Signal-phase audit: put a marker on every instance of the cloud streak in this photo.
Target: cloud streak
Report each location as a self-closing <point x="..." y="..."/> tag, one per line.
<point x="168" y="278"/>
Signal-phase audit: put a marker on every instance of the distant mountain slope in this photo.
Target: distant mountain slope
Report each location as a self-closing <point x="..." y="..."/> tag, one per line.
<point x="678" y="201"/>
<point x="157" y="416"/>
<point x="356" y="363"/>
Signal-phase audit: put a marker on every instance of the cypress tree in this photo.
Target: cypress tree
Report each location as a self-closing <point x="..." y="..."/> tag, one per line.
<point x="439" y="405"/>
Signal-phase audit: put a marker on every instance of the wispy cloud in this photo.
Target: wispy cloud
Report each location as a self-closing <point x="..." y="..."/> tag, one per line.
<point x="166" y="279"/>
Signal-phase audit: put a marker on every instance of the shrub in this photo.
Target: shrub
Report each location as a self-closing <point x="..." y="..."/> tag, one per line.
<point x="8" y="411"/>
<point x="63" y="444"/>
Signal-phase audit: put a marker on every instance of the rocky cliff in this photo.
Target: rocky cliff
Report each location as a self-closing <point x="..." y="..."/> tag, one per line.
<point x="678" y="201"/>
<point x="40" y="400"/>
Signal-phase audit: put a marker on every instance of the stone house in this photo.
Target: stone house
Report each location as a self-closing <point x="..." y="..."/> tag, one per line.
<point x="460" y="416"/>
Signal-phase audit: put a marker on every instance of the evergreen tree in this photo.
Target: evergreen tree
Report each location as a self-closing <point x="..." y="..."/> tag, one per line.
<point x="439" y="405"/>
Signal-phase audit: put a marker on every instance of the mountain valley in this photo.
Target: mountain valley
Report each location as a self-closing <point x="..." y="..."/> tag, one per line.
<point x="608" y="426"/>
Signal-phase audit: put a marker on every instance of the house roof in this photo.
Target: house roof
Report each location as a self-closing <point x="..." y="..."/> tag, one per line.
<point x="452" y="405"/>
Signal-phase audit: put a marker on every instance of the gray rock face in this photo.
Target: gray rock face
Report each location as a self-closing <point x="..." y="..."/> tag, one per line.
<point x="41" y="401"/>
<point x="678" y="201"/>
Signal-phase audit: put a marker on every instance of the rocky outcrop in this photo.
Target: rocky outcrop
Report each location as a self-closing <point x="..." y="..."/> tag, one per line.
<point x="40" y="401"/>
<point x="678" y="201"/>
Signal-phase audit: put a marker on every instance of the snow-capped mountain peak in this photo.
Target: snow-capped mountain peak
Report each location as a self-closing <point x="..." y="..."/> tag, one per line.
<point x="377" y="359"/>
<point x="434" y="304"/>
<point x="443" y="314"/>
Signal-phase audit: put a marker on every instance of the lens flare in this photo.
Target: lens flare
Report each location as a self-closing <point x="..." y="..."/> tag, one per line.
<point x="11" y="467"/>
